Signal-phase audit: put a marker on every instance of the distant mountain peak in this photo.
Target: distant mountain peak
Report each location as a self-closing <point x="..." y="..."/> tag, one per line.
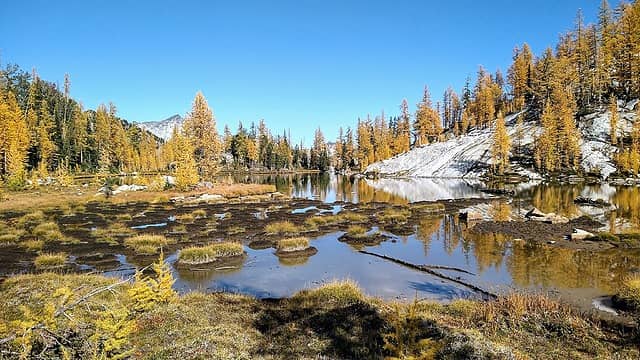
<point x="163" y="128"/>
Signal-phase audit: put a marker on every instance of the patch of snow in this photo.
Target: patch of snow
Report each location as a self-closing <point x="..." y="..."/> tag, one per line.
<point x="164" y="128"/>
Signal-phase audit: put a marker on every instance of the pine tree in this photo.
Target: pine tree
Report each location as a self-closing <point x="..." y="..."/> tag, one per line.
<point x="501" y="146"/>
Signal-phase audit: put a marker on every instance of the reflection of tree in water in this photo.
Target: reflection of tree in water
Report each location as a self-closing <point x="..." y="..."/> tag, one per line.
<point x="367" y="193"/>
<point x="546" y="266"/>
<point x="427" y="228"/>
<point x="452" y="234"/>
<point x="627" y="199"/>
<point x="554" y="198"/>
<point x="488" y="249"/>
<point x="500" y="211"/>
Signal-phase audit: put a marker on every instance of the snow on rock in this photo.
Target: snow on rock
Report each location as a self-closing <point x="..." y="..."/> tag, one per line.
<point x="164" y="128"/>
<point x="467" y="156"/>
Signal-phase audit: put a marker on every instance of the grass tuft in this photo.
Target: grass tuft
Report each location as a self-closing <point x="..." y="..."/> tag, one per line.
<point x="338" y="291"/>
<point x="293" y="244"/>
<point x="146" y="244"/>
<point x="199" y="214"/>
<point x="48" y="231"/>
<point x="207" y="254"/>
<point x="393" y="215"/>
<point x="30" y="220"/>
<point x="282" y="228"/>
<point x="32" y="245"/>
<point x="357" y="231"/>
<point x="49" y="261"/>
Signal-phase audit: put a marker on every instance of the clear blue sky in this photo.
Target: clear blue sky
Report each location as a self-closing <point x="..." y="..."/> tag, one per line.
<point x="297" y="64"/>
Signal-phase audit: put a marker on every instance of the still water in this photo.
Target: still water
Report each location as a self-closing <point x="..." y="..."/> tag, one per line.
<point x="497" y="263"/>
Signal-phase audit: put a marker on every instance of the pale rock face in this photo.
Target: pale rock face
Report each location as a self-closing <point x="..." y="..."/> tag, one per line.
<point x="164" y="128"/>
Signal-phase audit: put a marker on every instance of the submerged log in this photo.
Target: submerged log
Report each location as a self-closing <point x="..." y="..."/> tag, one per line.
<point x="429" y="269"/>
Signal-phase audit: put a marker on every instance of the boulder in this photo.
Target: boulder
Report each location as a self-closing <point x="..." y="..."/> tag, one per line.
<point x="579" y="234"/>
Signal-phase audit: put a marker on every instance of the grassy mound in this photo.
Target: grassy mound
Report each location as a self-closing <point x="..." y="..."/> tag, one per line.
<point x="282" y="228"/>
<point x="49" y="261"/>
<point x="146" y="244"/>
<point x="293" y="244"/>
<point x="210" y="253"/>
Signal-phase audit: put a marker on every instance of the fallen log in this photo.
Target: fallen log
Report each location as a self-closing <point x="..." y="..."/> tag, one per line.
<point x="429" y="269"/>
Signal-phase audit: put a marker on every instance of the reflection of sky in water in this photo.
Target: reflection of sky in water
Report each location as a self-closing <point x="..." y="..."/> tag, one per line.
<point x="264" y="276"/>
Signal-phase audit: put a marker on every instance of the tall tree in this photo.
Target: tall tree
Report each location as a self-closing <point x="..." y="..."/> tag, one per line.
<point x="200" y="128"/>
<point x="501" y="146"/>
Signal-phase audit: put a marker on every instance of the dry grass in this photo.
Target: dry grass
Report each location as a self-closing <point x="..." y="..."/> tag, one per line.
<point x="394" y="215"/>
<point x="357" y="231"/>
<point x="110" y="235"/>
<point x="341" y="292"/>
<point x="146" y="244"/>
<point x="282" y="228"/>
<point x="352" y="217"/>
<point x="629" y="291"/>
<point x="235" y="230"/>
<point x="185" y="218"/>
<point x="48" y="231"/>
<point x="51" y="260"/>
<point x="293" y="244"/>
<point x="344" y="217"/>
<point x="9" y="235"/>
<point x="32" y="245"/>
<point x="30" y="220"/>
<point x="199" y="214"/>
<point x="210" y="253"/>
<point x="237" y="190"/>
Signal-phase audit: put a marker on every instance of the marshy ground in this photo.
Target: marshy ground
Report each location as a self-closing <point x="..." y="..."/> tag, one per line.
<point x="53" y="237"/>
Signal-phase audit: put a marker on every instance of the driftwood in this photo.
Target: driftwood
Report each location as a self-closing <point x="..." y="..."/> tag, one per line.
<point x="429" y="269"/>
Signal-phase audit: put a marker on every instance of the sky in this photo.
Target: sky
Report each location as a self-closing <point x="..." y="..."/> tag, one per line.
<point x="299" y="64"/>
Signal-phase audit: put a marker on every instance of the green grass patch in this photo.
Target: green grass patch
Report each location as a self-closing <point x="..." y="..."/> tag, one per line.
<point x="146" y="244"/>
<point x="210" y="253"/>
<point x="293" y="244"/>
